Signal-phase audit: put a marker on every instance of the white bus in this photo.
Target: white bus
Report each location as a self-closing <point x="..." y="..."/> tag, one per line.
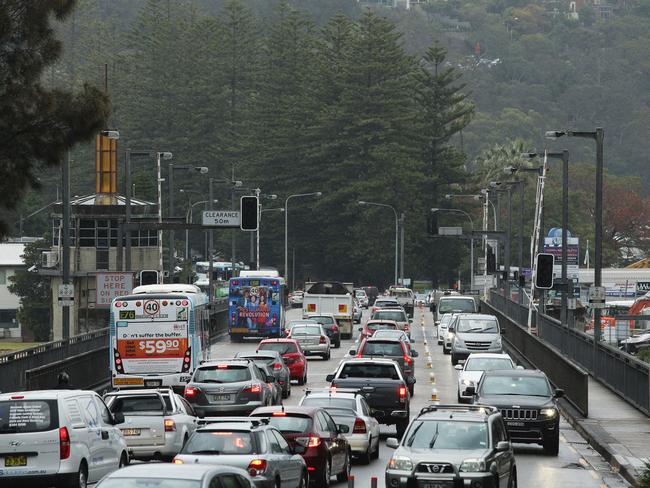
<point x="158" y="335"/>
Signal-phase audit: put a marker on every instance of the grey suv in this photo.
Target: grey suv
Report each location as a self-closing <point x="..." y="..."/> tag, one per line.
<point x="273" y="359"/>
<point x="453" y="445"/>
<point x="473" y="332"/>
<point x="228" y="386"/>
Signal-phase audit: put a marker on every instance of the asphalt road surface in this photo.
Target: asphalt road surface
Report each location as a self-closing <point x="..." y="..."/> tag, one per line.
<point x="577" y="464"/>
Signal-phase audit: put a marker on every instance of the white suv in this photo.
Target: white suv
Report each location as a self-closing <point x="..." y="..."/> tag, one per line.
<point x="58" y="437"/>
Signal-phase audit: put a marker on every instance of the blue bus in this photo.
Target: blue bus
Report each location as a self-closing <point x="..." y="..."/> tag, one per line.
<point x="256" y="304"/>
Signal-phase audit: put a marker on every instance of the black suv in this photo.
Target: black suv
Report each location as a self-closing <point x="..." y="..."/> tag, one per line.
<point x="453" y="446"/>
<point x="527" y="403"/>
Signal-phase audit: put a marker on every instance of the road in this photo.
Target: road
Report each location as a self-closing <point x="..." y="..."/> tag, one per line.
<point x="577" y="464"/>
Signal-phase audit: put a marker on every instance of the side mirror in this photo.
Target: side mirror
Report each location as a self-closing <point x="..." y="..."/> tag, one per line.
<point x="392" y="442"/>
<point x="494" y="469"/>
<point x="519" y="367"/>
<point x="352" y="352"/>
<point x="410" y="321"/>
<point x="503" y="446"/>
<point x="558" y="393"/>
<point x="118" y="418"/>
<point x="342" y="429"/>
<point x="410" y="380"/>
<point x="360" y="329"/>
<point x="329" y="377"/>
<point x="414" y="353"/>
<point x="458" y="367"/>
<point x="503" y="331"/>
<point x="470" y="390"/>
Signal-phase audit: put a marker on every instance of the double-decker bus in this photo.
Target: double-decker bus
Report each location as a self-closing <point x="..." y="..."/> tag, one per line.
<point x="256" y="305"/>
<point x="158" y="335"/>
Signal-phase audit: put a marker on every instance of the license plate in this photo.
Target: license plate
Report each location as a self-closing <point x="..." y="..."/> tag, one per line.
<point x="515" y="424"/>
<point x="128" y="381"/>
<point x="128" y="432"/>
<point x="13" y="461"/>
<point x="220" y="398"/>
<point x="437" y="484"/>
<point x="152" y="383"/>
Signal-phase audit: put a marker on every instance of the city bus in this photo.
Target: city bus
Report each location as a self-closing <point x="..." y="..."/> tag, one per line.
<point x="256" y="305"/>
<point x="158" y="335"/>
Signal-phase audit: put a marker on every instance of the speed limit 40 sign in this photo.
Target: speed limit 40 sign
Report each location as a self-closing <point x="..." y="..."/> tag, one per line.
<point x="151" y="307"/>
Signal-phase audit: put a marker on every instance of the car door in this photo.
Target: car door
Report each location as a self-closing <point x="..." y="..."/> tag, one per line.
<point x="370" y="420"/>
<point x="502" y="459"/>
<point x="111" y="447"/>
<point x="90" y="411"/>
<point x="188" y="415"/>
<point x="290" y="463"/>
<point x="335" y="445"/>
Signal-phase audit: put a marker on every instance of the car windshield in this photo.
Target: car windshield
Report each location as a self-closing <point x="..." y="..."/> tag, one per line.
<point x="515" y="385"/>
<point x="447" y="434"/>
<point x="478" y="326"/>
<point x="329" y="402"/>
<point x="290" y="423"/>
<point x="220" y="442"/>
<point x="369" y="370"/>
<point x="142" y="482"/>
<point x="444" y="321"/>
<point x="456" y="305"/>
<point x="305" y="330"/>
<point x="360" y="293"/>
<point x="402" y="293"/>
<point x="223" y="373"/>
<point x="383" y="349"/>
<point x="138" y="404"/>
<point x="324" y="320"/>
<point x="390" y="334"/>
<point x="381" y="326"/>
<point x="488" y="364"/>
<point x="293" y="323"/>
<point x="396" y="315"/>
<point x="281" y="347"/>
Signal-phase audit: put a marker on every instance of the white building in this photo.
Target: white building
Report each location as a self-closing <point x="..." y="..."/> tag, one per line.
<point x="10" y="261"/>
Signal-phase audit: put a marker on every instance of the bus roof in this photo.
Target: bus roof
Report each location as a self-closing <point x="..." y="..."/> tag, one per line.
<point x="166" y="288"/>
<point x="262" y="273"/>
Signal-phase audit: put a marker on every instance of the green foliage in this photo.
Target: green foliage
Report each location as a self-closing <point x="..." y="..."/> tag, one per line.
<point x="644" y="355"/>
<point x="35" y="293"/>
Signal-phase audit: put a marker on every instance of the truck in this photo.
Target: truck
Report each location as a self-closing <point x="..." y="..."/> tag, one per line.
<point x="405" y="298"/>
<point x="330" y="297"/>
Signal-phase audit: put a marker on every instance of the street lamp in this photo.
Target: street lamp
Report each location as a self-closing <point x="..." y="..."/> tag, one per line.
<point x="471" y="247"/>
<point x="598" y="135"/>
<point x="286" y="224"/>
<point x="362" y="203"/>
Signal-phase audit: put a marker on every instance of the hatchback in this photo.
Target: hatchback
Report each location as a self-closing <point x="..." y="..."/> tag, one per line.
<point x="330" y="325"/>
<point x="276" y="363"/>
<point x="292" y="354"/>
<point x="371" y="326"/>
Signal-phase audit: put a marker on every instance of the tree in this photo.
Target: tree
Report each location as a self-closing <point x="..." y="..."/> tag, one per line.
<point x="37" y="125"/>
<point x="35" y="293"/>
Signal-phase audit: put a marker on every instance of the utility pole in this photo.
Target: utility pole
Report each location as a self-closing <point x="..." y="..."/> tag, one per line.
<point x="210" y="245"/>
<point x="401" y="250"/>
<point x="65" y="259"/>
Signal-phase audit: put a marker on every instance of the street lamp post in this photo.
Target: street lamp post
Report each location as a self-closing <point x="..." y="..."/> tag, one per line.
<point x="396" y="231"/>
<point x="471" y="246"/>
<point x="159" y="157"/>
<point x="286" y="227"/>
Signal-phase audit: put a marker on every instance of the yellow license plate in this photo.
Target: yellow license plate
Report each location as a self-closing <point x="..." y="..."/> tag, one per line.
<point x="127" y="432"/>
<point x="128" y="381"/>
<point x="12" y="461"/>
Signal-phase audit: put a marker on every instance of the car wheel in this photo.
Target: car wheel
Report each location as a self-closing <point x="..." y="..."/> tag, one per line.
<point x="365" y="457"/>
<point x="124" y="460"/>
<point x="375" y="453"/>
<point x="301" y="381"/>
<point x="337" y="344"/>
<point x="326" y="475"/>
<point x="303" y="481"/>
<point x="344" y="475"/>
<point x="412" y="390"/>
<point x="454" y="359"/>
<point x="445" y="350"/>
<point x="552" y="446"/>
<point x="80" y="480"/>
<point x="512" y="482"/>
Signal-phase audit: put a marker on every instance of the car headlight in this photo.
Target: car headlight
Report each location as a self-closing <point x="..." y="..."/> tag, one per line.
<point x="497" y="341"/>
<point x="401" y="463"/>
<point x="548" y="413"/>
<point x="473" y="465"/>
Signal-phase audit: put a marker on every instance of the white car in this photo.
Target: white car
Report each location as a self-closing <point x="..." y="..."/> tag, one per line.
<point x="157" y="423"/>
<point x="312" y="338"/>
<point x="362" y="297"/>
<point x="58" y="437"/>
<point x="442" y="327"/>
<point x="476" y="364"/>
<point x="349" y="407"/>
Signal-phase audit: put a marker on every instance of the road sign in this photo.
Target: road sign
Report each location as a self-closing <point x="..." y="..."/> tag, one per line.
<point x="221" y="218"/>
<point x="597" y="296"/>
<point x="450" y="231"/>
<point x="112" y="285"/>
<point x="642" y="287"/>
<point x="66" y="295"/>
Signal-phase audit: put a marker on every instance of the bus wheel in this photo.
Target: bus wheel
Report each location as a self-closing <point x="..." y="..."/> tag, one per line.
<point x="235" y="338"/>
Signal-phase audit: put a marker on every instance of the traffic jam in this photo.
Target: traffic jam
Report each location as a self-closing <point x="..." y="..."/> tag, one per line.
<point x="307" y="394"/>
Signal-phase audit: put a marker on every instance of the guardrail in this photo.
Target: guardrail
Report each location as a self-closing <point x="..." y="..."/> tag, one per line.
<point x="621" y="372"/>
<point x="84" y="357"/>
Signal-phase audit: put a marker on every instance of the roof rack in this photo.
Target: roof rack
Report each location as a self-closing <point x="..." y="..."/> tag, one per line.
<point x="255" y="421"/>
<point x="459" y="408"/>
<point x="334" y="389"/>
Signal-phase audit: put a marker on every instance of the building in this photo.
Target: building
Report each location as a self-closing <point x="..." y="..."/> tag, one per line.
<point x="10" y="261"/>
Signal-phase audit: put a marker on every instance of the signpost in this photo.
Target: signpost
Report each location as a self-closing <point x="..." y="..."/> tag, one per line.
<point x="222" y="218"/>
<point x="112" y="285"/>
<point x="597" y="296"/>
<point x="66" y="295"/>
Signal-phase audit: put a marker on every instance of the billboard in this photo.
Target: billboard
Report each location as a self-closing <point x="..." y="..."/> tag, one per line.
<point x="553" y="245"/>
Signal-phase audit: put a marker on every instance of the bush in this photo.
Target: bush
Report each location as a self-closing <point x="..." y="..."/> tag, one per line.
<point x="644" y="480"/>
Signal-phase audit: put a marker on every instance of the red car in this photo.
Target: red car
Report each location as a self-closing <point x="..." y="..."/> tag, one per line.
<point x="371" y="326"/>
<point x="292" y="354"/>
<point x="313" y="434"/>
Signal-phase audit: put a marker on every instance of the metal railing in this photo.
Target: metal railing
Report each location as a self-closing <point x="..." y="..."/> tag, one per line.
<point x="621" y="372"/>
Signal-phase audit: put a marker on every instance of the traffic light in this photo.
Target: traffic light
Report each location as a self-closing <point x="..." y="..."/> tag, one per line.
<point x="148" y="277"/>
<point x="491" y="261"/>
<point x="544" y="271"/>
<point x="432" y="224"/>
<point x="249" y="213"/>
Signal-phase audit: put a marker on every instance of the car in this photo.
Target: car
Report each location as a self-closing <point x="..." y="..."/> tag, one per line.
<point x="274" y="387"/>
<point x="420" y="299"/>
<point x="441" y="327"/>
<point x="527" y="403"/>
<point x="157" y="422"/>
<point x="392" y="334"/>
<point x="398" y="315"/>
<point x="58" y="437"/>
<point x="360" y="294"/>
<point x="277" y="365"/>
<point x="290" y="324"/>
<point x="349" y="407"/>
<point x="395" y="349"/>
<point x="372" y="292"/>
<point x="292" y="354"/>
<point x="477" y="363"/>
<point x="454" y="303"/>
<point x="472" y="332"/>
<point x="296" y="298"/>
<point x="385" y="386"/>
<point x="384" y="302"/>
<point x="330" y="325"/>
<point x="182" y="476"/>
<point x="371" y="326"/>
<point x="228" y="386"/>
<point x="247" y="443"/>
<point x="314" y="434"/>
<point x="405" y="298"/>
<point x="313" y="339"/>
<point x="453" y="445"/>
<point x="357" y="313"/>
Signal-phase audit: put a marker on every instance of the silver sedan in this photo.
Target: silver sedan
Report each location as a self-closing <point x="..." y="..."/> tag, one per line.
<point x="313" y="339"/>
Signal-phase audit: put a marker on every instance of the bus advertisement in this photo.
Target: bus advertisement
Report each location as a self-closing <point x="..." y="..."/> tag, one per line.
<point x="158" y="335"/>
<point x="256" y="307"/>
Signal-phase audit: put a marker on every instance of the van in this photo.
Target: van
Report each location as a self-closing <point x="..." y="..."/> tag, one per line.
<point x="473" y="332"/>
<point x="455" y="304"/>
<point x="58" y="437"/>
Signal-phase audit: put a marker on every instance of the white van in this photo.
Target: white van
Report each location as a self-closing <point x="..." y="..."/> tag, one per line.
<point x="58" y="437"/>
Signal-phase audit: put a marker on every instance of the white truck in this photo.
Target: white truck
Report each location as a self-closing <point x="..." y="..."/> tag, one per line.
<point x="405" y="298"/>
<point x="331" y="297"/>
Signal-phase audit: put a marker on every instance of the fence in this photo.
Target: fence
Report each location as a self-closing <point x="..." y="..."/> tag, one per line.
<point x="79" y="356"/>
<point x="619" y="371"/>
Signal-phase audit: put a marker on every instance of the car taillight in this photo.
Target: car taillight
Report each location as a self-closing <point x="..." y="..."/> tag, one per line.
<point x="311" y="441"/>
<point x="252" y="389"/>
<point x="335" y="328"/>
<point x="402" y="393"/>
<point x="359" y="426"/>
<point x="407" y="360"/>
<point x="170" y="425"/>
<point x="190" y="392"/>
<point x="277" y="366"/>
<point x="64" y="443"/>
<point x="323" y="340"/>
<point x="177" y="461"/>
<point x="256" y="467"/>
